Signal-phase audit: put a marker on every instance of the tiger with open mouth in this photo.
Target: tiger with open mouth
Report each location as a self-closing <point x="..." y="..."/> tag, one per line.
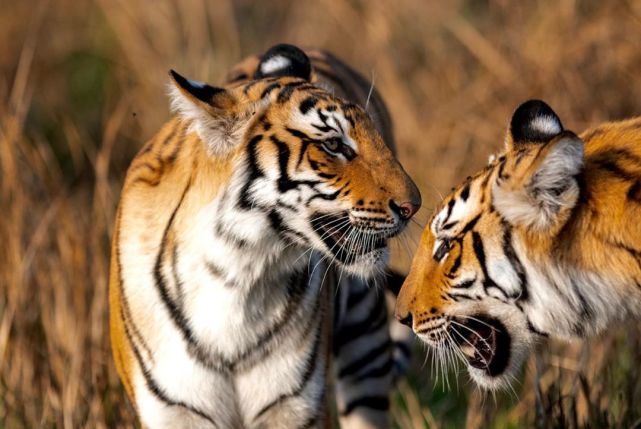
<point x="543" y="242"/>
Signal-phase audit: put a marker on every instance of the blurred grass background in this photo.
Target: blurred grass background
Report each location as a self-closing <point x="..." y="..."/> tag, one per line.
<point x="82" y="86"/>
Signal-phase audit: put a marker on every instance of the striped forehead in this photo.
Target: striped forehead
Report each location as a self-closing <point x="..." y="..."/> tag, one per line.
<point x="458" y="208"/>
<point x="323" y="119"/>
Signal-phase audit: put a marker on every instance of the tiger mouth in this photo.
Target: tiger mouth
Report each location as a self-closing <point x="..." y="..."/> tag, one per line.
<point x="343" y="239"/>
<point x="484" y="342"/>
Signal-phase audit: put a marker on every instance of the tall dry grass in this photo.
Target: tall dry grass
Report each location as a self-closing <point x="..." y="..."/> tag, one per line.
<point x="82" y="85"/>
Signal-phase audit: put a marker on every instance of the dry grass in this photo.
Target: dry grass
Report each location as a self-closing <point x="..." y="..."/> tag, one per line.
<point x="82" y="86"/>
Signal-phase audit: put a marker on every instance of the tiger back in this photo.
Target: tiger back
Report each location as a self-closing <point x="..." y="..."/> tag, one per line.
<point x="238" y="224"/>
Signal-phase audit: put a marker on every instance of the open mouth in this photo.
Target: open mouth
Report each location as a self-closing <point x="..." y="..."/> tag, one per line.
<point x="346" y="242"/>
<point x="485" y="343"/>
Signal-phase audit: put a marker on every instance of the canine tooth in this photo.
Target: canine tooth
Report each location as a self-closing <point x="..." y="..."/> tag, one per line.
<point x="468" y="350"/>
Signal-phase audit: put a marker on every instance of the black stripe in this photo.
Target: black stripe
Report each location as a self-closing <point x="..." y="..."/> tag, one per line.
<point x="310" y="422"/>
<point x="372" y="354"/>
<point x="465" y="192"/>
<point x="458" y="296"/>
<point x="287" y="91"/>
<point x="307" y="104"/>
<point x="244" y="200"/>
<point x="296" y="287"/>
<point x="464" y="285"/>
<point x="229" y="237"/>
<point x="586" y="311"/>
<point x="610" y="165"/>
<point x="249" y="86"/>
<point x="269" y="89"/>
<point x="449" y="225"/>
<point x="450" y="206"/>
<point x="634" y="192"/>
<point x="161" y="285"/>
<point x="327" y="197"/>
<point x="488" y="283"/>
<point x="126" y="311"/>
<point x="477" y="244"/>
<point x="299" y="134"/>
<point x="456" y="264"/>
<point x="376" y="372"/>
<point x="310" y="366"/>
<point x="130" y="326"/>
<point x="285" y="183"/>
<point x="471" y="224"/>
<point x="532" y="329"/>
<point x="354" y="297"/>
<point x="373" y="321"/>
<point x="380" y="403"/>
<point x="633" y="253"/>
<point x="174" y="153"/>
<point x="501" y="168"/>
<point x="161" y="395"/>
<point x="508" y="249"/>
<point x="621" y="154"/>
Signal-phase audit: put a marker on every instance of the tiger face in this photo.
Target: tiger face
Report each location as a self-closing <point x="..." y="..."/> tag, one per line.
<point x="480" y="284"/>
<point x="308" y="169"/>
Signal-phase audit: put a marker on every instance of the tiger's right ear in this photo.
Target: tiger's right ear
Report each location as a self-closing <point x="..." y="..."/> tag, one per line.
<point x="213" y="112"/>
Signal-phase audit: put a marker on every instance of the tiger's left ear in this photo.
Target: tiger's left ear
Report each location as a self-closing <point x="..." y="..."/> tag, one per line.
<point x="542" y="188"/>
<point x="214" y="113"/>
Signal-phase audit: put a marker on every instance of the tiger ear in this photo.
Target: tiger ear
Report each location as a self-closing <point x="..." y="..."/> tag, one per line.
<point x="532" y="122"/>
<point x="212" y="112"/>
<point x="284" y="60"/>
<point x="543" y="189"/>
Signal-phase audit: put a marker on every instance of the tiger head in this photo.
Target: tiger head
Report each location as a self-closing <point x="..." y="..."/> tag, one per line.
<point x="308" y="168"/>
<point x="475" y="286"/>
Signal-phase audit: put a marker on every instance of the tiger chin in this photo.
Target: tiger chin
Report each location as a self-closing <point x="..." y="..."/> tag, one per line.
<point x="248" y="232"/>
<point x="543" y="242"/>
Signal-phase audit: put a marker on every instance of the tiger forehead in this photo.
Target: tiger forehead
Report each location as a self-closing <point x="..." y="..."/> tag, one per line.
<point x="468" y="197"/>
<point x="286" y="90"/>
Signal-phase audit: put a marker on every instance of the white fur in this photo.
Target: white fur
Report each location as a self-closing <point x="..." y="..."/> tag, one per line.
<point x="548" y="125"/>
<point x="274" y="64"/>
<point x="219" y="132"/>
<point x="536" y="205"/>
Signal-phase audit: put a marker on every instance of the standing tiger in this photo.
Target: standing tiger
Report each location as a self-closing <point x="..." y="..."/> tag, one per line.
<point x="544" y="242"/>
<point x="248" y="234"/>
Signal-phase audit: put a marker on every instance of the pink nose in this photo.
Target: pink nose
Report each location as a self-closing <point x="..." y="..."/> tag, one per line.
<point x="408" y="210"/>
<point x="405" y="210"/>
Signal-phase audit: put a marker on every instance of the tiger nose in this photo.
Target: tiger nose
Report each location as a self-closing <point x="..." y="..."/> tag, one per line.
<point x="405" y="210"/>
<point x="405" y="320"/>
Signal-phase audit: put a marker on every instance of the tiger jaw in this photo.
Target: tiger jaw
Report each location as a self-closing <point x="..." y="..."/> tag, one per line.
<point x="350" y="244"/>
<point x="492" y="353"/>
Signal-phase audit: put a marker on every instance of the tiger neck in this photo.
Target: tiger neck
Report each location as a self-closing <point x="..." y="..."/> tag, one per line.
<point x="238" y="275"/>
<point x="240" y="239"/>
<point x="585" y="278"/>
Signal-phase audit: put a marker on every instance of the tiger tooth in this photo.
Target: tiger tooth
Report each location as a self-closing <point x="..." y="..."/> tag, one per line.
<point x="468" y="350"/>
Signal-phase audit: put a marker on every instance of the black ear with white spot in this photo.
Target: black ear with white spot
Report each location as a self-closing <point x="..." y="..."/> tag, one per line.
<point x="284" y="60"/>
<point x="534" y="122"/>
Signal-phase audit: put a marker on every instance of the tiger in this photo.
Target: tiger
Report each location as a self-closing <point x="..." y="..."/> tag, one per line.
<point x="544" y="242"/>
<point x="249" y="239"/>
